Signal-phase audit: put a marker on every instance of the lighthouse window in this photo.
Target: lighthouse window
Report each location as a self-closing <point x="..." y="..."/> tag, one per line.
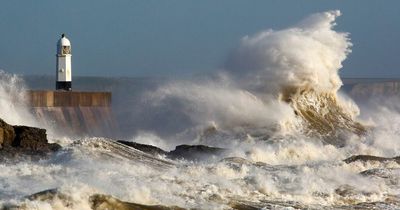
<point x="66" y="50"/>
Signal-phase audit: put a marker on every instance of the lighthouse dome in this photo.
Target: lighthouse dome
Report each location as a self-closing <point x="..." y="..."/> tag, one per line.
<point x="63" y="41"/>
<point x="63" y="45"/>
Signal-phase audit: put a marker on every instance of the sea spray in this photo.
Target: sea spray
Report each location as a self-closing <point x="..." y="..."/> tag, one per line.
<point x="15" y="107"/>
<point x="284" y="81"/>
<point x="301" y="64"/>
<point x="14" y="101"/>
<point x="270" y="164"/>
<point x="226" y="106"/>
<point x="306" y="55"/>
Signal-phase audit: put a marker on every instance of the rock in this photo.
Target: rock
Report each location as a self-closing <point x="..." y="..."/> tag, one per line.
<point x="32" y="138"/>
<point x="194" y="152"/>
<point x="29" y="137"/>
<point x="391" y="176"/>
<point x="240" y="206"/>
<point x="237" y="160"/>
<point x="346" y="190"/>
<point x="188" y="152"/>
<point x="378" y="172"/>
<point x="50" y="194"/>
<point x="153" y="150"/>
<point x="105" y="202"/>
<point x="97" y="202"/>
<point x="22" y="141"/>
<point x="366" y="158"/>
<point x="7" y="134"/>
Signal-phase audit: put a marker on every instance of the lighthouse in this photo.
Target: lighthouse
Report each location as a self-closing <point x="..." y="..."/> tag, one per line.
<point x="83" y="113"/>
<point x="63" y="69"/>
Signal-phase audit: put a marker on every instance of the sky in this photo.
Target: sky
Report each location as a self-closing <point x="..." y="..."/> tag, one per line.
<point x="181" y="37"/>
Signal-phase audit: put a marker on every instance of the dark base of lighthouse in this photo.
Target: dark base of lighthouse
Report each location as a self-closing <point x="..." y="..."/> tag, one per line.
<point x="67" y="86"/>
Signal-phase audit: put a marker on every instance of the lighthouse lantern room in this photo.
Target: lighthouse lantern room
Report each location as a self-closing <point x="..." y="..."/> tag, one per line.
<point x="64" y="76"/>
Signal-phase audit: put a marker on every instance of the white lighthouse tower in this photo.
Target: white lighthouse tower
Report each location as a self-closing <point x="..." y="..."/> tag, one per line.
<point x="63" y="64"/>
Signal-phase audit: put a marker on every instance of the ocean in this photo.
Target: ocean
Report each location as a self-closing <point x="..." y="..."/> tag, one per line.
<point x="288" y="130"/>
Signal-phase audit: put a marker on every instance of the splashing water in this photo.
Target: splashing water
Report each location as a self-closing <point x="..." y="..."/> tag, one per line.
<point x="308" y="55"/>
<point x="274" y="110"/>
<point x="13" y="100"/>
<point x="286" y="79"/>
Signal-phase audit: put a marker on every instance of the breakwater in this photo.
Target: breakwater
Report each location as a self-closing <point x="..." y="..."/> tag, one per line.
<point x="74" y="113"/>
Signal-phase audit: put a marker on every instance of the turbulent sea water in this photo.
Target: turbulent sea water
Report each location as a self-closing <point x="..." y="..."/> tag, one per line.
<point x="277" y="110"/>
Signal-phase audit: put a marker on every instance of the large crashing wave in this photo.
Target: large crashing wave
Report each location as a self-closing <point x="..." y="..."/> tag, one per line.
<point x="13" y="100"/>
<point x="308" y="54"/>
<point x="302" y="173"/>
<point x="301" y="63"/>
<point x="297" y="66"/>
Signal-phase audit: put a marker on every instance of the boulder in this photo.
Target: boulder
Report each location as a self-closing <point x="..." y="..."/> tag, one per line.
<point x="105" y="202"/>
<point x="188" y="152"/>
<point x="346" y="190"/>
<point x="195" y="152"/>
<point x="7" y="134"/>
<point x="34" y="139"/>
<point x="367" y="158"/>
<point x="23" y="141"/>
<point x="29" y="137"/>
<point x="96" y="201"/>
<point x="153" y="150"/>
<point x="384" y="173"/>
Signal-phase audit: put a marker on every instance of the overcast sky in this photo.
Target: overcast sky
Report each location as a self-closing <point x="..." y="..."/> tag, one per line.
<point x="174" y="38"/>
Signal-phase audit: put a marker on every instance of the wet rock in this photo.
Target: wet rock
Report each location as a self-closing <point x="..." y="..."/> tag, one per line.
<point x="240" y="206"/>
<point x="21" y="141"/>
<point x="270" y="204"/>
<point x="144" y="148"/>
<point x="391" y="176"/>
<point x="106" y="202"/>
<point x="350" y="193"/>
<point x="97" y="202"/>
<point x="187" y="152"/>
<point x="32" y="138"/>
<point x="366" y="158"/>
<point x="378" y="172"/>
<point x="194" y="152"/>
<point x="237" y="160"/>
<point x="346" y="190"/>
<point x="29" y="137"/>
<point x="236" y="163"/>
<point x="377" y="205"/>
<point x="42" y="196"/>
<point x="7" y="134"/>
<point x="51" y="194"/>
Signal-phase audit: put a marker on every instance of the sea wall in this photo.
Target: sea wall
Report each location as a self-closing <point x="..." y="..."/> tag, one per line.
<point x="74" y="113"/>
<point x="46" y="98"/>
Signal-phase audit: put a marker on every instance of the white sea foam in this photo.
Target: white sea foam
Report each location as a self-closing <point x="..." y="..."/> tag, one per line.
<point x="283" y="81"/>
<point x="274" y="159"/>
<point x="224" y="105"/>
<point x="308" y="54"/>
<point x="13" y="100"/>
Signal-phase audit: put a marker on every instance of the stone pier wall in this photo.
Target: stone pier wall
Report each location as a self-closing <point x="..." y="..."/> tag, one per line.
<point x="45" y="98"/>
<point x="75" y="113"/>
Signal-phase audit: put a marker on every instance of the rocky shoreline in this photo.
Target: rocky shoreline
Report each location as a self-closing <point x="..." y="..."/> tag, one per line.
<point x="24" y="141"/>
<point x="187" y="152"/>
